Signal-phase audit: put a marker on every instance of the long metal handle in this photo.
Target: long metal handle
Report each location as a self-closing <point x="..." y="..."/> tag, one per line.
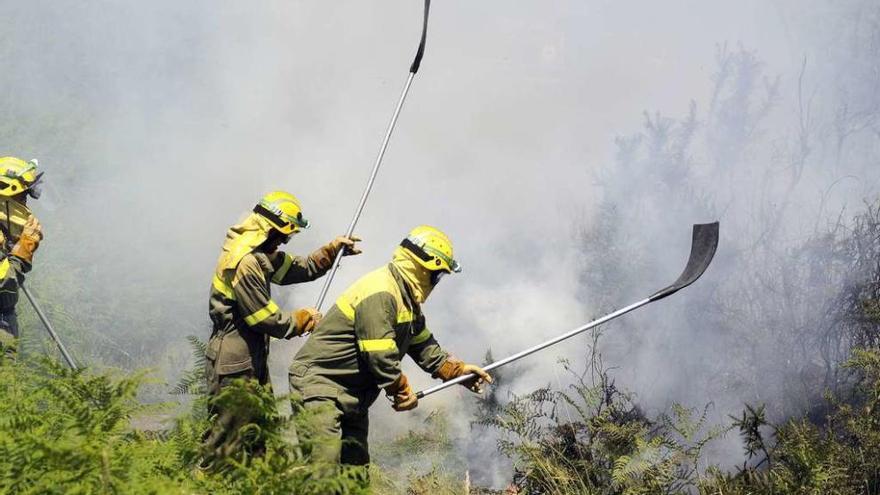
<point x="704" y="242"/>
<point x="534" y="349"/>
<point x="413" y="69"/>
<point x="49" y="328"/>
<point x="357" y="214"/>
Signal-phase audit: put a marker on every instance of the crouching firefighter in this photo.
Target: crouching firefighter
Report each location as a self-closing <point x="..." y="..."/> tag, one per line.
<point x="20" y="235"/>
<point x="355" y="351"/>
<point x="241" y="308"/>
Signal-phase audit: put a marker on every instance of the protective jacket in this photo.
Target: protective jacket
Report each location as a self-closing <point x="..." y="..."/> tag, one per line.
<point x="356" y="349"/>
<point x="12" y="270"/>
<point x="13" y="217"/>
<point x="241" y="308"/>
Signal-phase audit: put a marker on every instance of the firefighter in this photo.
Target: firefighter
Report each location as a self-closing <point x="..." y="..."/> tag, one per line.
<point x="243" y="313"/>
<point x="21" y="234"/>
<point x="356" y="350"/>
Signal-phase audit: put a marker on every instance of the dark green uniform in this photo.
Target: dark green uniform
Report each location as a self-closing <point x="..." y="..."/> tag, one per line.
<point x="354" y="352"/>
<point x="13" y="217"/>
<point x="245" y="316"/>
<point x="12" y="270"/>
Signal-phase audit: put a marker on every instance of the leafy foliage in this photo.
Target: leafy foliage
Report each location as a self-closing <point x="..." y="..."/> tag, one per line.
<point x="593" y="438"/>
<point x="69" y="432"/>
<point x="193" y="381"/>
<point x="841" y="456"/>
<point x="74" y="432"/>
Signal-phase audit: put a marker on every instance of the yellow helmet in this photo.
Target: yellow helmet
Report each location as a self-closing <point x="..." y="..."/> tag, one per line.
<point x="431" y="248"/>
<point x="18" y="176"/>
<point x="282" y="210"/>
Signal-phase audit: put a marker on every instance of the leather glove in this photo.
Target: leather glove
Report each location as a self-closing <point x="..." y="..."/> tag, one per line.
<point x="29" y="240"/>
<point x="304" y="321"/>
<point x="402" y="394"/>
<point x="454" y="368"/>
<point x="325" y="254"/>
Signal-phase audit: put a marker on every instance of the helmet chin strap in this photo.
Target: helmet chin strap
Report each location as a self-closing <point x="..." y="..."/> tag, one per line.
<point x="273" y="242"/>
<point x="8" y="232"/>
<point x="437" y="275"/>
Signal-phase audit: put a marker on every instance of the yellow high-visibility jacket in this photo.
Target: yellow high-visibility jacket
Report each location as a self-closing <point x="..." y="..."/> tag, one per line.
<point x="356" y="349"/>
<point x="243" y="313"/>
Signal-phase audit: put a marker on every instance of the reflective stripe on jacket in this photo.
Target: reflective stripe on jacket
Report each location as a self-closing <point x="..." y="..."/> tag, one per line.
<point x="243" y="312"/>
<point x="358" y="346"/>
<point x="12" y="270"/>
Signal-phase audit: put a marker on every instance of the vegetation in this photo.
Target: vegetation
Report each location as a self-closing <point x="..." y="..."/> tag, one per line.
<point x="77" y="432"/>
<point x="85" y="431"/>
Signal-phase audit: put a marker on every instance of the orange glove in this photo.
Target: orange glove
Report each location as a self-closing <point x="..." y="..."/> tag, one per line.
<point x="304" y="321"/>
<point x="403" y="395"/>
<point x="29" y="240"/>
<point x="325" y="255"/>
<point x="454" y="368"/>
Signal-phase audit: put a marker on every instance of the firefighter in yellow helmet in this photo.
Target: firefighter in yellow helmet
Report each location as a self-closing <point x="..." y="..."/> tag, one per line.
<point x="356" y="350"/>
<point x="241" y="308"/>
<point x="19" y="180"/>
<point x="244" y="315"/>
<point x="20" y="235"/>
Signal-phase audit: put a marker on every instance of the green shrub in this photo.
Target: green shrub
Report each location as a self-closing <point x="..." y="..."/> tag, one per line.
<point x="839" y="456"/>
<point x="70" y="432"/>
<point x="593" y="438"/>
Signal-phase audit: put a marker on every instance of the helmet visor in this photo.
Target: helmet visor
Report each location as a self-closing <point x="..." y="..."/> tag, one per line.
<point x="298" y="220"/>
<point x="35" y="190"/>
<point x="281" y="220"/>
<point x="454" y="266"/>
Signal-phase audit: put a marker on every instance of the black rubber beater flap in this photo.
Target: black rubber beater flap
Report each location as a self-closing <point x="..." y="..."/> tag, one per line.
<point x="421" y="51"/>
<point x="703" y="246"/>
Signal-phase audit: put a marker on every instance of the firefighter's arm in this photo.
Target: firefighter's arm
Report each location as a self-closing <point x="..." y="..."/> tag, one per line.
<point x="290" y="269"/>
<point x="23" y="251"/>
<point x="374" y="321"/>
<point x="259" y="311"/>
<point x="426" y="351"/>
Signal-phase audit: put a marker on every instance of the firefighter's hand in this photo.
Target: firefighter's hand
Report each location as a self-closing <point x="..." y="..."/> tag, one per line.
<point x="324" y="255"/>
<point x="304" y="321"/>
<point x="475" y="385"/>
<point x="453" y="368"/>
<point x="347" y="244"/>
<point x="33" y="229"/>
<point x="402" y="394"/>
<point x="405" y="401"/>
<point x="29" y="240"/>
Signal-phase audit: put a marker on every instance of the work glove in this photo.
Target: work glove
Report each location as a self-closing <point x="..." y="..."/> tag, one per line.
<point x="304" y="321"/>
<point x="29" y="240"/>
<point x="325" y="254"/>
<point x="454" y="368"/>
<point x="402" y="394"/>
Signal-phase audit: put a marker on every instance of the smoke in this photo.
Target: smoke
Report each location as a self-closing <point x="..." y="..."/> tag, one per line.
<point x="159" y="124"/>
